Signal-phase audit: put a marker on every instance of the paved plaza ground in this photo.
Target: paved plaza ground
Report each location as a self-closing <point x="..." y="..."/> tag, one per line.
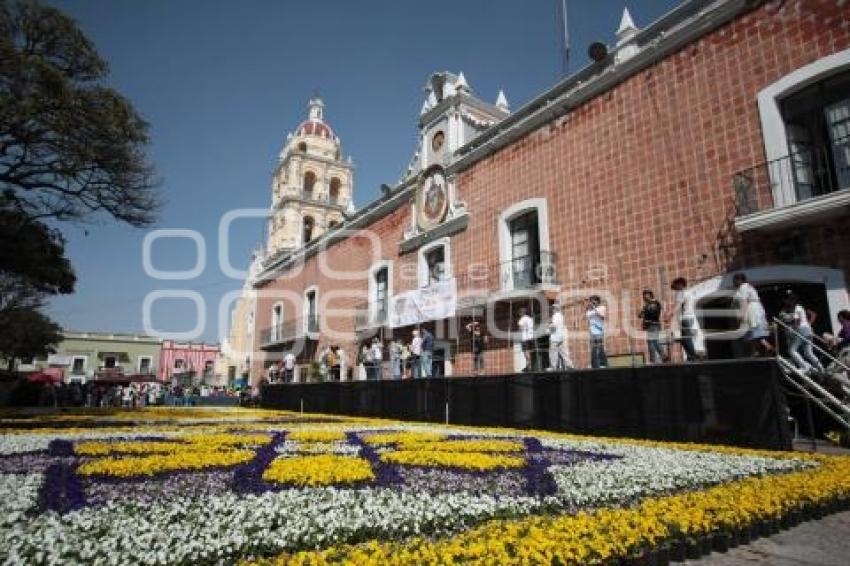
<point x="825" y="542"/>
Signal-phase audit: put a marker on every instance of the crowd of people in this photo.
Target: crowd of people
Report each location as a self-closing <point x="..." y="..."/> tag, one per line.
<point x="127" y="395"/>
<point x="664" y="328"/>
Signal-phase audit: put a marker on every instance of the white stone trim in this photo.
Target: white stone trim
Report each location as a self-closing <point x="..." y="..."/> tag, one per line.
<point x="772" y="124"/>
<point x="274" y="324"/>
<point x="373" y="287"/>
<point x="139" y="363"/>
<point x="832" y="279"/>
<point x="305" y="306"/>
<point x="85" y="364"/>
<point x="538" y="204"/>
<point x="422" y="264"/>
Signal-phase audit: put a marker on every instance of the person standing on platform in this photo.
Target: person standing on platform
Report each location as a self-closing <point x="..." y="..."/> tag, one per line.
<point x="799" y="338"/>
<point x="395" y="359"/>
<point x="427" y="353"/>
<point x="559" y="356"/>
<point x="526" y="336"/>
<point x="416" y="355"/>
<point x="477" y="344"/>
<point x="376" y="358"/>
<point x="405" y="360"/>
<point x="596" y="315"/>
<point x="684" y="312"/>
<point x="650" y="318"/>
<point x="333" y="363"/>
<point x="289" y="367"/>
<point x="753" y="316"/>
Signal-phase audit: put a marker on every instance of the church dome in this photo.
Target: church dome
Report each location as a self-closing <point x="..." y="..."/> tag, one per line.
<point x="315" y="124"/>
<point x="315" y="128"/>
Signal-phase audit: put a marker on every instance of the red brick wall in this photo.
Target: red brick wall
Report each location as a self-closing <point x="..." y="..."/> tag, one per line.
<point x="637" y="180"/>
<point x="640" y="177"/>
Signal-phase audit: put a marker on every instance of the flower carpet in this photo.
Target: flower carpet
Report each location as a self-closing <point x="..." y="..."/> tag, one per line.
<point x="223" y="486"/>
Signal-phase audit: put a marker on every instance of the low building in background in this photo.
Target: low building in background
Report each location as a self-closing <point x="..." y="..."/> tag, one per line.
<point x="190" y="364"/>
<point x="86" y="356"/>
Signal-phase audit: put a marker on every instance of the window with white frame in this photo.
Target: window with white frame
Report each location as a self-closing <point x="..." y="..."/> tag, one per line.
<point x="380" y="290"/>
<point x="311" y="313"/>
<point x="435" y="262"/>
<point x="277" y="321"/>
<point x="78" y="365"/>
<point x="524" y="257"/>
<point x="805" y="119"/>
<point x="145" y="364"/>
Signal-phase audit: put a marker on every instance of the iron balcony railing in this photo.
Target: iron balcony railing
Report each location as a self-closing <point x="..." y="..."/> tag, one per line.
<point x="371" y="315"/>
<point x="526" y="272"/>
<point x="797" y="177"/>
<point x="529" y="271"/>
<point x="279" y="333"/>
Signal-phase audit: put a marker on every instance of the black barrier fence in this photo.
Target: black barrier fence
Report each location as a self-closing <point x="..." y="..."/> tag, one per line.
<point x="736" y="402"/>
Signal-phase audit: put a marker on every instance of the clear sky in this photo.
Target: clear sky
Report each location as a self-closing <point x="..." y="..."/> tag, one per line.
<point x="222" y="83"/>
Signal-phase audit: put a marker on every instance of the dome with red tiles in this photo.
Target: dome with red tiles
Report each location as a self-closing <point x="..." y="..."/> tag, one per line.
<point x="314" y="128"/>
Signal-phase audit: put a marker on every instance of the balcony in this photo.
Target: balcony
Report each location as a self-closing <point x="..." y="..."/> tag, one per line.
<point x="528" y="272"/>
<point x="521" y="275"/>
<point x="800" y="188"/>
<point x="279" y="333"/>
<point x="368" y="316"/>
<point x="289" y="331"/>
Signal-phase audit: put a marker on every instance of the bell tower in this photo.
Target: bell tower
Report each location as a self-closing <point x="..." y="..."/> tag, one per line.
<point x="311" y="186"/>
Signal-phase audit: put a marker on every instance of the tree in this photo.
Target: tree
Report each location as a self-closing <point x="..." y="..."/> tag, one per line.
<point x="69" y="146"/>
<point x="27" y="333"/>
<point x="32" y="262"/>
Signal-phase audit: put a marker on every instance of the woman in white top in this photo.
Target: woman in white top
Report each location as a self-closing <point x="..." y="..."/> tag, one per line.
<point x="752" y="313"/>
<point x="800" y="334"/>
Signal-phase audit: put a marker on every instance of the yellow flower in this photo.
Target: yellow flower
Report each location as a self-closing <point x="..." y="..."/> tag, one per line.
<point x="466" y="460"/>
<point x="157" y="463"/>
<point x="322" y="469"/>
<point x="403" y="438"/>
<point x="316" y="435"/>
<point x="469" y="446"/>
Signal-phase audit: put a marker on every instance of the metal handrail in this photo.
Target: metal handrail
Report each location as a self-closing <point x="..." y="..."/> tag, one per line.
<point x="789" y="367"/>
<point x="812" y="343"/>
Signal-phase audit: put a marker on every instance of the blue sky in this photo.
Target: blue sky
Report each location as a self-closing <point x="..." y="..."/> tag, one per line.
<point x="221" y="84"/>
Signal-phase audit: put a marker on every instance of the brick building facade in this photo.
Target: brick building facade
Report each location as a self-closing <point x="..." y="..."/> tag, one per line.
<point x="714" y="140"/>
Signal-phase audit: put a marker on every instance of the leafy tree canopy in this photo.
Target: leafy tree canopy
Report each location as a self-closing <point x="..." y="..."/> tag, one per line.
<point x="69" y="146"/>
<point x="32" y="334"/>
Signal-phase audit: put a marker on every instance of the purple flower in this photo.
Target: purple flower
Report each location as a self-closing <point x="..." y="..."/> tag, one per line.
<point x="385" y="474"/>
<point x="248" y="477"/>
<point x="61" y="490"/>
<point x="61" y="448"/>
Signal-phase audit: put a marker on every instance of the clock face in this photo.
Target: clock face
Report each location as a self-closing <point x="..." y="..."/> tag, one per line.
<point x="437" y="141"/>
<point x="432" y="200"/>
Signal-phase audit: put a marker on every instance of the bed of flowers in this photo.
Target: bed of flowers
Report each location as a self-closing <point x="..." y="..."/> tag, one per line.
<point x="204" y="486"/>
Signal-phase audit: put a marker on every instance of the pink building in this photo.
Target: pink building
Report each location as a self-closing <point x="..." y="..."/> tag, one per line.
<point x="187" y="362"/>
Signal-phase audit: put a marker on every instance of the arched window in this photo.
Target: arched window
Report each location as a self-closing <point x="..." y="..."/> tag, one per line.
<point x="308" y="229"/>
<point x="333" y="191"/>
<point x="302" y="147"/>
<point x="309" y="182"/>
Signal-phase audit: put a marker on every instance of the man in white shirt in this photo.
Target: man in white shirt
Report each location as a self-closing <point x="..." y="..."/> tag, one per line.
<point x="415" y="354"/>
<point x="526" y="336"/>
<point x="596" y="315"/>
<point x="559" y="356"/>
<point x="684" y="311"/>
<point x="288" y="367"/>
<point x="376" y="354"/>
